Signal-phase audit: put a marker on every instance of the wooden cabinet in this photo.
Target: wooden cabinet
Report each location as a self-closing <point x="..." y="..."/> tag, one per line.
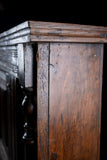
<point x="51" y="91"/>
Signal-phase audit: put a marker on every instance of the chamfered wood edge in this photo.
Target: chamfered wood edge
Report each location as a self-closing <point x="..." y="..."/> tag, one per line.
<point x="16" y="35"/>
<point x="36" y="31"/>
<point x="43" y="101"/>
<point x="15" y="29"/>
<point x="45" y="24"/>
<point x="66" y="32"/>
<point x="100" y="100"/>
<point x="35" y="38"/>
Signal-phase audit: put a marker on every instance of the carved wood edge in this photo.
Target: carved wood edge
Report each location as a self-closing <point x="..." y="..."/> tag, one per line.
<point x="25" y="64"/>
<point x="35" y="31"/>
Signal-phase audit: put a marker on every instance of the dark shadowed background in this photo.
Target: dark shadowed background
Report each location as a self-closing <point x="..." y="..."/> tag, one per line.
<point x="16" y="12"/>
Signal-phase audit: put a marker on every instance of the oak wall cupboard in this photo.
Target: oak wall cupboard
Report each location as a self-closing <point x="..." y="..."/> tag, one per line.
<point x="51" y="91"/>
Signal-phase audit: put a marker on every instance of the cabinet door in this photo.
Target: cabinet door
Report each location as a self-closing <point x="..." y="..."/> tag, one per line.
<point x="75" y="101"/>
<point x="26" y="102"/>
<point x="8" y="75"/>
<point x="17" y="103"/>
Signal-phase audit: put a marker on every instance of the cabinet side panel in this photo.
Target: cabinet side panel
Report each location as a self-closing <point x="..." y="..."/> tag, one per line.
<point x="42" y="100"/>
<point x="75" y="101"/>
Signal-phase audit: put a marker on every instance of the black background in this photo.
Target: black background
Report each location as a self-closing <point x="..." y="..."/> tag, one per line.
<point x="15" y="12"/>
<point x="88" y="12"/>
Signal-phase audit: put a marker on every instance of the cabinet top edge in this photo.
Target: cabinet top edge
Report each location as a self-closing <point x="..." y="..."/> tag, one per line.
<point x="61" y="25"/>
<point x="17" y="28"/>
<point x="53" y="31"/>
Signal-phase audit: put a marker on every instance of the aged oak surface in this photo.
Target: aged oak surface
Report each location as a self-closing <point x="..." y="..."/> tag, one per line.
<point x="50" y="91"/>
<point x="75" y="101"/>
<point x="42" y="100"/>
<point x="34" y="31"/>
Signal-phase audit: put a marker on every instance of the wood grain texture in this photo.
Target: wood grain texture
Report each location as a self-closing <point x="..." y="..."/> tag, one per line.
<point x="35" y="31"/>
<point x="56" y="25"/>
<point x="9" y="60"/>
<point x="42" y="100"/>
<point x="28" y="71"/>
<point x="16" y="35"/>
<point x="21" y="63"/>
<point x="25" y="64"/>
<point x="75" y="101"/>
<point x="44" y="38"/>
<point x="14" y="29"/>
<point x="65" y="32"/>
<point x="3" y="83"/>
<point x="17" y="40"/>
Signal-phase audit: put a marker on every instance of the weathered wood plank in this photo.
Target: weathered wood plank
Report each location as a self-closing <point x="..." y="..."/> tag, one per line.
<point x="5" y="48"/>
<point x="28" y="71"/>
<point x="21" y="65"/>
<point x="61" y="32"/>
<point x="3" y="81"/>
<point x="9" y="60"/>
<point x="66" y="32"/>
<point x="20" y="33"/>
<point x="41" y="38"/>
<point x="42" y="100"/>
<point x="25" y="64"/>
<point x="34" y="31"/>
<point x="15" y="29"/>
<point x="75" y="101"/>
<point x="40" y="24"/>
<point x="18" y="40"/>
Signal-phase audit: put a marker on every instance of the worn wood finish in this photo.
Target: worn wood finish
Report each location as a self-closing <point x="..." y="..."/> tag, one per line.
<point x="25" y="64"/>
<point x="8" y="75"/>
<point x="50" y="91"/>
<point x="40" y="24"/>
<point x="67" y="32"/>
<point x="41" y="38"/>
<point x="15" y="41"/>
<point x="3" y="83"/>
<point x="75" y="101"/>
<point x="21" y="66"/>
<point x="42" y="100"/>
<point x="28" y="72"/>
<point x="9" y="60"/>
<point x="34" y="31"/>
<point x="15" y="35"/>
<point x="14" y="29"/>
